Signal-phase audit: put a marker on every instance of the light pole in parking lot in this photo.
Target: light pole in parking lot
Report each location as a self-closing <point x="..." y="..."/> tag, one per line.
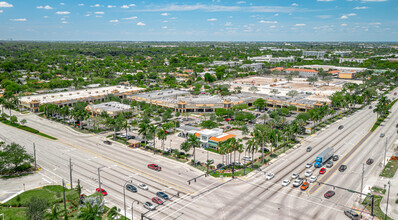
<point x="132" y="208"/>
<point x="124" y="196"/>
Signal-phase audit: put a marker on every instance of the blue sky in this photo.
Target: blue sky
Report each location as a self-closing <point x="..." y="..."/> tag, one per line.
<point x="211" y="20"/>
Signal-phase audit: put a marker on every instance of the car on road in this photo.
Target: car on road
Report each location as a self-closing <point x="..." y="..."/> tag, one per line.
<point x="270" y="176"/>
<point x="370" y="107"/>
<point x="149" y="206"/>
<point x="236" y="163"/>
<point x="329" y="194"/>
<point x="312" y="179"/>
<point x="308" y="165"/>
<point x="247" y="158"/>
<point x="154" y="167"/>
<point x="308" y="173"/>
<point x="157" y="200"/>
<point x="107" y="142"/>
<point x="162" y="195"/>
<point x="142" y="186"/>
<point x="295" y="175"/>
<point x="329" y="164"/>
<point x="304" y="186"/>
<point x="285" y="182"/>
<point x="352" y="214"/>
<point x="369" y="161"/>
<point x="341" y="127"/>
<point x="309" y="149"/>
<point x="102" y="191"/>
<point x="220" y="165"/>
<point x="335" y="158"/>
<point x="298" y="182"/>
<point x="342" y="168"/>
<point x="131" y="188"/>
<point x="322" y="170"/>
<point x="382" y="135"/>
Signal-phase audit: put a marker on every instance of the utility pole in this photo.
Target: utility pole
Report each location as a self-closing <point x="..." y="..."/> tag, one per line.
<point x="99" y="179"/>
<point x="63" y="188"/>
<point x="363" y="174"/>
<point x="34" y="154"/>
<point x="70" y="173"/>
<point x="388" y="197"/>
<point x="385" y="153"/>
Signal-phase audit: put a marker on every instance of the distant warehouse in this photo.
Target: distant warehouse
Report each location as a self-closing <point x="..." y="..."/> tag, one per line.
<point x="69" y="98"/>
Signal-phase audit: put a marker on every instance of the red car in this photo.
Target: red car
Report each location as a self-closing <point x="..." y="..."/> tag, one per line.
<point x="103" y="192"/>
<point x="227" y="119"/>
<point x="154" y="167"/>
<point x="157" y="200"/>
<point x="329" y="194"/>
<point x="322" y="171"/>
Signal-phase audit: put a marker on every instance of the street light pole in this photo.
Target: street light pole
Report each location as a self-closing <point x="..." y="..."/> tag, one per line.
<point x="132" y="208"/>
<point x="124" y="196"/>
<point x="363" y="173"/>
<point x="70" y="172"/>
<point x="388" y="197"/>
<point x="385" y="153"/>
<point x="63" y="188"/>
<point x="34" y="153"/>
<point x="99" y="179"/>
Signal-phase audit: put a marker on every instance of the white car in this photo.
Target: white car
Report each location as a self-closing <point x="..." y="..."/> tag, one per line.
<point x="297" y="182"/>
<point x="142" y="186"/>
<point x="285" y="182"/>
<point x="308" y="165"/>
<point x="295" y="175"/>
<point x="149" y="206"/>
<point x="270" y="176"/>
<point x="308" y="173"/>
<point x="313" y="179"/>
<point x="248" y="158"/>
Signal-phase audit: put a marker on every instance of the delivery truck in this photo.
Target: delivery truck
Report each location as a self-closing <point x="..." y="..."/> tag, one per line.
<point x="323" y="157"/>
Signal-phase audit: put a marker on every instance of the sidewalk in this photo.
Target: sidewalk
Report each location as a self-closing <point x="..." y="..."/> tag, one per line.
<point x="392" y="206"/>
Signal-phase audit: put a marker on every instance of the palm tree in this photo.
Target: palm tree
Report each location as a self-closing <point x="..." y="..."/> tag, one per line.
<point x="191" y="142"/>
<point x="143" y="130"/>
<point x="112" y="213"/>
<point x="264" y="117"/>
<point x="90" y="212"/>
<point x="252" y="147"/>
<point x="162" y="135"/>
<point x="2" y="102"/>
<point x="260" y="134"/>
<point x="54" y="214"/>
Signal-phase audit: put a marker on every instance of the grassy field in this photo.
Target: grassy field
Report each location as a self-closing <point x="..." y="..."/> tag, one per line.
<point x="377" y="211"/>
<point x="390" y="169"/>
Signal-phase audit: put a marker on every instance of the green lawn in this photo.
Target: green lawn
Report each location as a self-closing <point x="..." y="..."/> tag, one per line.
<point x="390" y="169"/>
<point x="376" y="211"/>
<point x="378" y="190"/>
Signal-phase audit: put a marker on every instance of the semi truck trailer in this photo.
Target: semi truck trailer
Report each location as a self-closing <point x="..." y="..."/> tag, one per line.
<point x="323" y="157"/>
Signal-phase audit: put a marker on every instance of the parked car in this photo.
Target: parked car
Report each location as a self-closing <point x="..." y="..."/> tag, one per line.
<point x="298" y="182"/>
<point x="236" y="163"/>
<point x="369" y="161"/>
<point x="295" y="175"/>
<point x="335" y="158"/>
<point x="352" y="214"/>
<point x="329" y="194"/>
<point x="247" y="158"/>
<point x="329" y="164"/>
<point x="131" y="188"/>
<point x="107" y="142"/>
<point x="382" y="135"/>
<point x="309" y="149"/>
<point x="157" y="200"/>
<point x="304" y="186"/>
<point x="322" y="170"/>
<point x="285" y="182"/>
<point x="149" y="206"/>
<point x="313" y="179"/>
<point x="308" y="173"/>
<point x="270" y="176"/>
<point x="162" y="195"/>
<point x="154" y="167"/>
<point x="102" y="191"/>
<point x="142" y="186"/>
<point x="342" y="168"/>
<point x="220" y="165"/>
<point x="370" y="107"/>
<point x="341" y="127"/>
<point x="308" y="165"/>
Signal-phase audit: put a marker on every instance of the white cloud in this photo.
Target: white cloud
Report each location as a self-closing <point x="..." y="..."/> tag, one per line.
<point x="111" y="6"/>
<point x="63" y="19"/>
<point x="300" y="25"/>
<point x="240" y="2"/>
<point x="272" y="26"/>
<point x="99" y="12"/>
<point x="1" y="11"/>
<point x="45" y="16"/>
<point x="87" y="15"/>
<point x="130" y="18"/>
<point x="324" y="16"/>
<point x="375" y="23"/>
<point x="347" y="15"/>
<point x="165" y="14"/>
<point x="344" y="17"/>
<point x="95" y="6"/>
<point x="228" y="24"/>
<point x="5" y="5"/>
<point x="125" y="6"/>
<point x="98" y="16"/>
<point x="140" y="24"/>
<point x="360" y="8"/>
<point x="64" y="22"/>
<point x="268" y="22"/>
<point x="374" y="0"/>
<point x="352" y="14"/>
<point x="343" y="24"/>
<point x="276" y="14"/>
<point x="325" y="0"/>
<point x="47" y="7"/>
<point x="164" y="27"/>
<point x="132" y="5"/>
<point x="218" y="8"/>
<point x="295" y="4"/>
<point x="18" y="19"/>
<point x="165" y="21"/>
<point x="62" y="12"/>
<point x="212" y="19"/>
<point x="81" y="4"/>
<point x="114" y="21"/>
<point x="62" y="3"/>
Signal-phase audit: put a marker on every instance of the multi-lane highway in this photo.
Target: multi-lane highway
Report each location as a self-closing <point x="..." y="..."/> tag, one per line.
<point x="251" y="197"/>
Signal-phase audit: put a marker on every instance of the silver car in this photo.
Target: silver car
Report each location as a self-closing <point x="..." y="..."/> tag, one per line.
<point x="329" y="164"/>
<point x="295" y="175"/>
<point x="308" y="173"/>
<point x="270" y="176"/>
<point x="312" y="179"/>
<point x="149" y="206"/>
<point x="285" y="182"/>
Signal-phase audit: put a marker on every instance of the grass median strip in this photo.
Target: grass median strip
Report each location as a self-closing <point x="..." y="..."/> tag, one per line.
<point x="26" y="128"/>
<point x="390" y="169"/>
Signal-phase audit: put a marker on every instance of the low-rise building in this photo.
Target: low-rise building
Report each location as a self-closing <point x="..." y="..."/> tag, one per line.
<point x="270" y="59"/>
<point x="112" y="108"/>
<point x="253" y="66"/>
<point x="314" y="53"/>
<point x="211" y="138"/>
<point x="303" y="72"/>
<point x="356" y="60"/>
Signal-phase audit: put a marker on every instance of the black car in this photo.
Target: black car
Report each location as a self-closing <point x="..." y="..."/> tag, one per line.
<point x="220" y="165"/>
<point x="131" y="188"/>
<point x="352" y="214"/>
<point x="309" y="149"/>
<point x="335" y="158"/>
<point x="341" y="127"/>
<point x="162" y="195"/>
<point x="342" y="168"/>
<point x="329" y="194"/>
<point x="370" y="107"/>
<point x="369" y="161"/>
<point x="107" y="142"/>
